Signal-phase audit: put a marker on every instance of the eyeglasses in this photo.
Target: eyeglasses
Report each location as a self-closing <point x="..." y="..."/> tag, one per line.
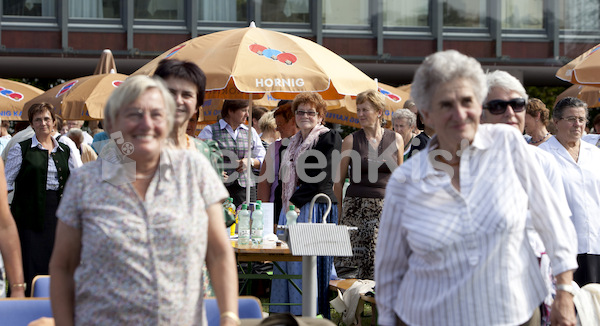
<point x="499" y="106"/>
<point x="572" y="120"/>
<point x="307" y="113"/>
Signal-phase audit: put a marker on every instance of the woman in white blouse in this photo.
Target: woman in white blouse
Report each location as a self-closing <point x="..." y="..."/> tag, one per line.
<point x="578" y="161"/>
<point x="452" y="246"/>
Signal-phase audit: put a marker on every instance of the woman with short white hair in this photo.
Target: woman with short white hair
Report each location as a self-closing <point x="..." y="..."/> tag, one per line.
<point x="452" y="246"/>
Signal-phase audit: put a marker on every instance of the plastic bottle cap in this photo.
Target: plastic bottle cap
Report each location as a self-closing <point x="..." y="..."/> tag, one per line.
<point x="244" y="206"/>
<point x="257" y="206"/>
<point x="258" y="202"/>
<point x="292" y="207"/>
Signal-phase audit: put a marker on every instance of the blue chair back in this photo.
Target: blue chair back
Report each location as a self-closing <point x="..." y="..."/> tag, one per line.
<point x="248" y="306"/>
<point x="20" y="312"/>
<point x="40" y="287"/>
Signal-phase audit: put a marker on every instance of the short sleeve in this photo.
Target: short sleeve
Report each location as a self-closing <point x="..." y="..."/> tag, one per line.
<point x="211" y="186"/>
<point x="69" y="210"/>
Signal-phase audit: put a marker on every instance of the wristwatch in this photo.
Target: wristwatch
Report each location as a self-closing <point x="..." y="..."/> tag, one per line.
<point x="566" y="287"/>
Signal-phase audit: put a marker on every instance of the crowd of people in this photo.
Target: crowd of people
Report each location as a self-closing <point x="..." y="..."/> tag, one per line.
<point x="468" y="209"/>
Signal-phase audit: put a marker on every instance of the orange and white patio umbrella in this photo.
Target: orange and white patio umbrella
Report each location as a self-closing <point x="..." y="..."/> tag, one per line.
<point x="588" y="94"/>
<point x="81" y="98"/>
<point x="13" y="96"/>
<point x="250" y="62"/>
<point x="583" y="70"/>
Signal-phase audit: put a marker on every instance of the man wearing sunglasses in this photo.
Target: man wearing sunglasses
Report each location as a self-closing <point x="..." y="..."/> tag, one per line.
<point x="506" y="103"/>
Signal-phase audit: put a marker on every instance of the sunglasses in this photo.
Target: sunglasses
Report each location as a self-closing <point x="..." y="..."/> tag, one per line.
<point x="306" y="113"/>
<point x="499" y="106"/>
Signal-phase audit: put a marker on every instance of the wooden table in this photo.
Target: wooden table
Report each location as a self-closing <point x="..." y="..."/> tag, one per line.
<point x="266" y="252"/>
<point x="263" y="252"/>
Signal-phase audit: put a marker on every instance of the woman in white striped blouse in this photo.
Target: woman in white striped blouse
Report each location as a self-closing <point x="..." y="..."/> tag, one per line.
<point x="452" y="247"/>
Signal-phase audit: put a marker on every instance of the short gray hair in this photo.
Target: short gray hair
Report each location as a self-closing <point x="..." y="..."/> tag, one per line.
<point x="505" y="81"/>
<point x="442" y="67"/>
<point x="132" y="88"/>
<point x="407" y="114"/>
<point x="566" y="103"/>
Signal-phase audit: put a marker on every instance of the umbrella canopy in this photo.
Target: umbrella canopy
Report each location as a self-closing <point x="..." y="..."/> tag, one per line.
<point x="584" y="70"/>
<point x="81" y="98"/>
<point x="13" y="97"/>
<point x="252" y="60"/>
<point x="341" y="111"/>
<point x="588" y="94"/>
<point x="106" y="64"/>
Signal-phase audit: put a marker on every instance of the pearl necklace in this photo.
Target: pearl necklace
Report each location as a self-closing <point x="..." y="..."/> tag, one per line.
<point x="531" y="141"/>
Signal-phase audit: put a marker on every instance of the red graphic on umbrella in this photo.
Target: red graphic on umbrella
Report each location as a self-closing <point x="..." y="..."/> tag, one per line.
<point x="174" y="51"/>
<point x="15" y="96"/>
<point x="283" y="57"/>
<point x="117" y="83"/>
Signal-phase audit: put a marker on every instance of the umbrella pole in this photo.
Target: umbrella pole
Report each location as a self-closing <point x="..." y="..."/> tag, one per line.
<point x="249" y="152"/>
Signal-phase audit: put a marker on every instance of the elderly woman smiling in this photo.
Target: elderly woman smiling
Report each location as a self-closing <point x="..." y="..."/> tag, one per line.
<point x="578" y="162"/>
<point x="136" y="227"/>
<point x="452" y="247"/>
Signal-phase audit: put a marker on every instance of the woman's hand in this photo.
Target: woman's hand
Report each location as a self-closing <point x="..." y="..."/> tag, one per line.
<point x="563" y="310"/>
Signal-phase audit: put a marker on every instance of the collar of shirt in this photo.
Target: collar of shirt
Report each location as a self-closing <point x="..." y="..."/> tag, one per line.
<point x="481" y="141"/>
<point x="555" y="146"/>
<point x="223" y="124"/>
<point x="36" y="143"/>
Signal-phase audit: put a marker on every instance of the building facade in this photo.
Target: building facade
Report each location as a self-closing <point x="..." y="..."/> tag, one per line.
<point x="387" y="39"/>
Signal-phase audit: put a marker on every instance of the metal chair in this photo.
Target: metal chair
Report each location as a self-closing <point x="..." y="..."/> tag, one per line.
<point x="20" y="312"/>
<point x="248" y="307"/>
<point x="40" y="286"/>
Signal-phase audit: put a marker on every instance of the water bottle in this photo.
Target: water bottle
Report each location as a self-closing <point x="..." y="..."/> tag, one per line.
<point x="257" y="225"/>
<point x="346" y="184"/>
<point x="244" y="225"/>
<point x="291" y="216"/>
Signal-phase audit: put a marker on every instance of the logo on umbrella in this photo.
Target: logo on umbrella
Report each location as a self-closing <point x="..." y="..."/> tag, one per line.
<point x="117" y="83"/>
<point x="66" y="88"/>
<point x="395" y="98"/>
<point x="175" y="50"/>
<point x="284" y="57"/>
<point x="15" y="96"/>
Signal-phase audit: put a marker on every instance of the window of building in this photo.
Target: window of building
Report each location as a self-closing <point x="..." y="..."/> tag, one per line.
<point x="223" y="10"/>
<point x="158" y="9"/>
<point x="405" y="13"/>
<point x="29" y="8"/>
<point x="579" y="15"/>
<point x="465" y="13"/>
<point x="94" y="9"/>
<point x="286" y="11"/>
<point x="346" y="12"/>
<point x="523" y="14"/>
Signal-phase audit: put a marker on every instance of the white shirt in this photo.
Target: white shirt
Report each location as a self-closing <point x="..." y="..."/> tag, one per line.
<point x="258" y="150"/>
<point x="593" y="139"/>
<point x="552" y="173"/>
<point x="582" y="187"/>
<point x="461" y="258"/>
<point x="87" y="138"/>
